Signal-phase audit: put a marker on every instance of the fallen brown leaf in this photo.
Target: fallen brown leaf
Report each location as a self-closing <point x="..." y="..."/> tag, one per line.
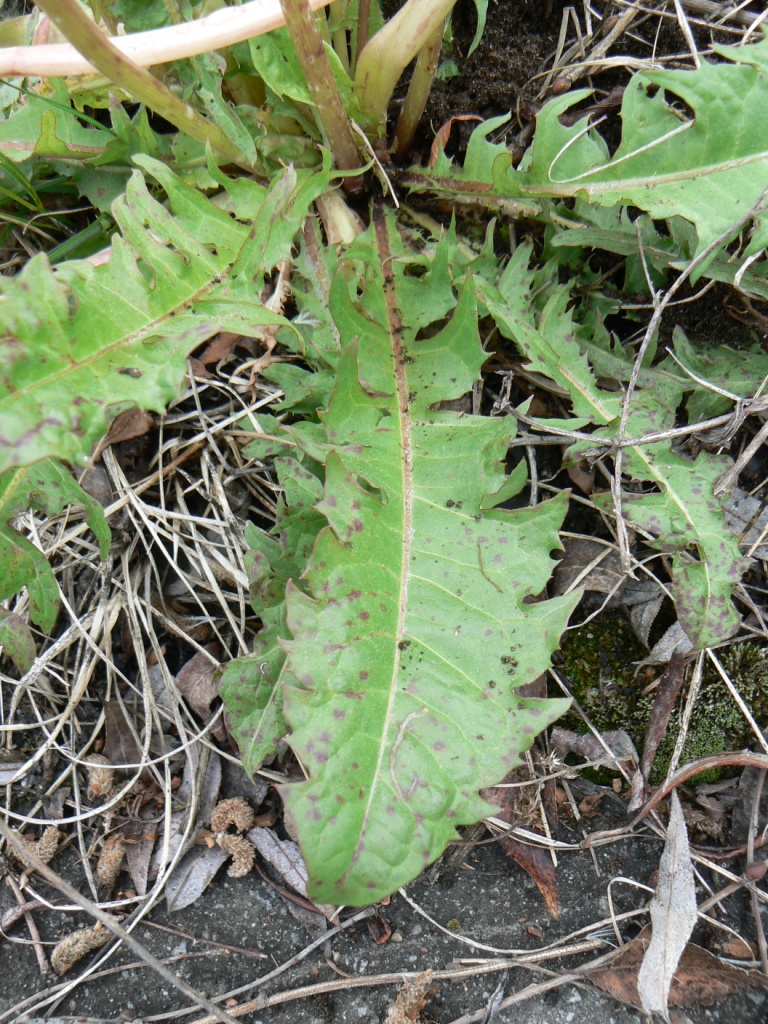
<point x="197" y="684"/>
<point x="669" y="685"/>
<point x="125" y="426"/>
<point x="533" y="859"/>
<point x="673" y="915"/>
<point x="121" y="747"/>
<point x="379" y="930"/>
<point x="410" y="1001"/>
<point x="700" y="979"/>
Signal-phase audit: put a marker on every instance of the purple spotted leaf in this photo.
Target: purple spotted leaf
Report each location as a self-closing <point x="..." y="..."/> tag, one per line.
<point x="413" y="625"/>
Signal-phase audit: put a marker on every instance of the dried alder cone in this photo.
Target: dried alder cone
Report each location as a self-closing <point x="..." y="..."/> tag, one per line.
<point x="101" y="777"/>
<point x="234" y="813"/>
<point x="45" y="847"/>
<point x="76" y="945"/>
<point x="110" y="860"/>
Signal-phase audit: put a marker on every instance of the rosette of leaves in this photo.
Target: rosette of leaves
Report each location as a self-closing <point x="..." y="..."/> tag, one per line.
<point x="413" y="625"/>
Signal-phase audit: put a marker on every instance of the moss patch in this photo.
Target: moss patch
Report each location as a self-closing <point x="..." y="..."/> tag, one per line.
<point x="599" y="660"/>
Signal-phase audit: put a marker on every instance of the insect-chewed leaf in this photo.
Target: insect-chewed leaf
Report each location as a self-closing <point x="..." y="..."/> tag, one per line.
<point x="414" y="624"/>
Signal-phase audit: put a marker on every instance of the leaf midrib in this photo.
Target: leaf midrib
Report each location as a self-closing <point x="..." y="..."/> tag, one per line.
<point x="406" y="465"/>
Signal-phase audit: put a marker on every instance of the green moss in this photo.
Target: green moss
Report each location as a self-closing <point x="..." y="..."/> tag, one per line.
<point x="600" y="662"/>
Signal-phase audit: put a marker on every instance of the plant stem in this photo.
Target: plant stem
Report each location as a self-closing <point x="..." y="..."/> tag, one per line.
<point x="363" y="22"/>
<point x="310" y="50"/>
<point x="418" y="93"/>
<point x="221" y="28"/>
<point x="390" y="51"/>
<point x="85" y="36"/>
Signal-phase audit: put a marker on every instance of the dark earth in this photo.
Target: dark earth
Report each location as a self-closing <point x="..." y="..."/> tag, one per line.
<point x="241" y="929"/>
<point x="484" y="897"/>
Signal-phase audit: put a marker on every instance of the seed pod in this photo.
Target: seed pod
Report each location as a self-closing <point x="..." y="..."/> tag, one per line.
<point x="101" y="777"/>
<point x="609" y="24"/>
<point x="235" y="811"/>
<point x="73" y="947"/>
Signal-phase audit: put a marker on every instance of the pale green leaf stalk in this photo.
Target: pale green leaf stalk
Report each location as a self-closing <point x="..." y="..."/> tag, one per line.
<point x="390" y="51"/>
<point x="412" y="627"/>
<point x="85" y="36"/>
<point x="418" y="93"/>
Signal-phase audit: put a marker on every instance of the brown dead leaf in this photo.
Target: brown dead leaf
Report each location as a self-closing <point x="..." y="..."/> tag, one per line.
<point x="444" y="133"/>
<point x="121" y="747"/>
<point x="673" y="915"/>
<point x="582" y="476"/>
<point x="125" y="426"/>
<point x="618" y="742"/>
<point x="590" y="565"/>
<point x="533" y="859"/>
<point x="221" y="346"/>
<point x="588" y="806"/>
<point x="669" y="685"/>
<point x="138" y="853"/>
<point x="700" y="979"/>
<point x="199" y="688"/>
<point x="379" y="930"/>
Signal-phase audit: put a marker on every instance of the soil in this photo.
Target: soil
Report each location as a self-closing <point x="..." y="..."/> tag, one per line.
<point x="241" y="929"/>
<point x="485" y="897"/>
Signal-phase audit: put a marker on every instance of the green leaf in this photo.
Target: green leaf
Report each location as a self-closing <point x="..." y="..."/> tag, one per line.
<point x="548" y="341"/>
<point x="176" y="277"/>
<point x="481" y="6"/>
<point x="412" y="626"/>
<point x="17" y="641"/>
<point x="705" y="160"/>
<point x="739" y="373"/>
<point x="275" y="60"/>
<point x="685" y="519"/>
<point x="251" y="686"/>
<point x="48" y="487"/>
<point x="48" y="126"/>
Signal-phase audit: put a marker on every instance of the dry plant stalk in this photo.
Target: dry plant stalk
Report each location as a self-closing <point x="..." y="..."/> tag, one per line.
<point x="242" y="852"/>
<point x="101" y="777"/>
<point x="233" y="812"/>
<point x="111" y="860"/>
<point x="76" y="945"/>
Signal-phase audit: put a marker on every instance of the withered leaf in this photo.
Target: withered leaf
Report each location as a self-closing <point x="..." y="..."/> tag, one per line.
<point x="197" y="685"/>
<point x="670" y="682"/>
<point x="533" y="859"/>
<point x="121" y="747"/>
<point x="700" y="979"/>
<point x="192" y="875"/>
<point x="673" y="915"/>
<point x="127" y="425"/>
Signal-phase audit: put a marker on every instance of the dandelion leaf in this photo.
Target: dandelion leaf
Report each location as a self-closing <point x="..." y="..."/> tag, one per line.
<point x="414" y="623"/>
